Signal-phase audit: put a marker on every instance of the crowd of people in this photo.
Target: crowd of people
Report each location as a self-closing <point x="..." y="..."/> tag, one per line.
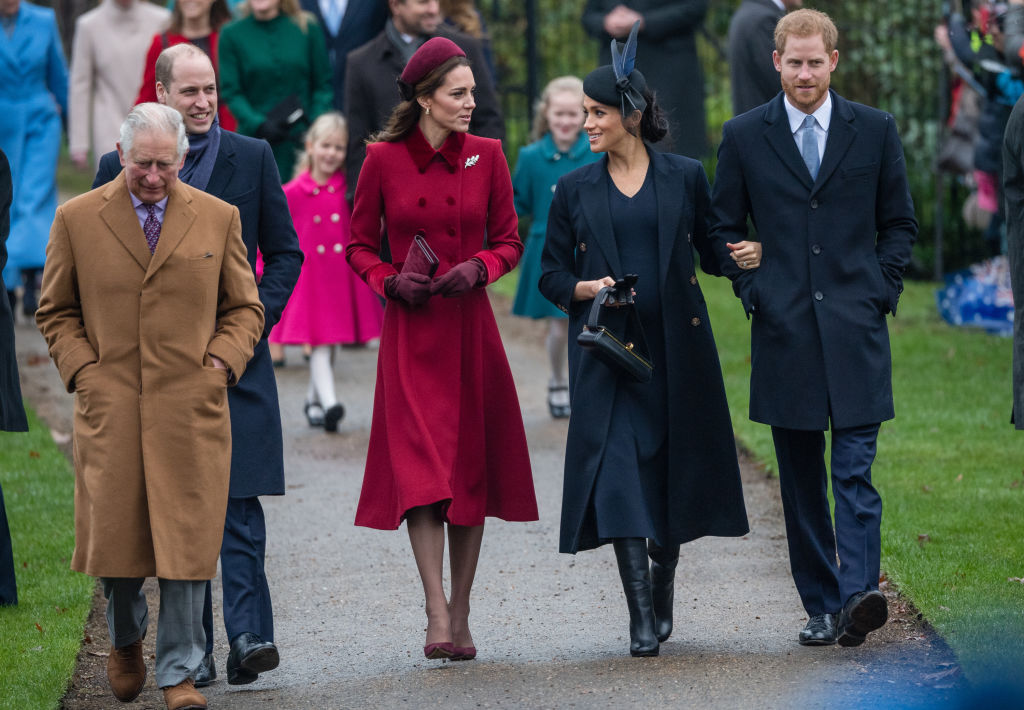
<point x="265" y="151"/>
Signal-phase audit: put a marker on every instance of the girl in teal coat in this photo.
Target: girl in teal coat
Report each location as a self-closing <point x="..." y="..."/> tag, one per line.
<point x="559" y="148"/>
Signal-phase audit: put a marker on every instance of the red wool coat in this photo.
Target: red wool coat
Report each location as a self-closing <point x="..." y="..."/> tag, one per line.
<point x="446" y="421"/>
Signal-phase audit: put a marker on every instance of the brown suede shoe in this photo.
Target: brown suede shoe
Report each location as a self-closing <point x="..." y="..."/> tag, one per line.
<point x="184" y="696"/>
<point x="126" y="671"/>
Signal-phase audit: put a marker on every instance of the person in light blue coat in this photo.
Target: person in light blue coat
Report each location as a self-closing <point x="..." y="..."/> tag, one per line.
<point x="33" y="100"/>
<point x="559" y="147"/>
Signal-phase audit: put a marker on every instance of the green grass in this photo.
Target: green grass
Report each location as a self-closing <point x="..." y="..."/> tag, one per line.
<point x="949" y="468"/>
<point x="40" y="638"/>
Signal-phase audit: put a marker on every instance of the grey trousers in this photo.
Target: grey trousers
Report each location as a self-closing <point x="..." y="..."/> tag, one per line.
<point x="180" y="640"/>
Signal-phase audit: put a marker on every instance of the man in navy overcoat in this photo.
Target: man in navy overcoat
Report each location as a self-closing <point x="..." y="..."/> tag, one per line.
<point x="242" y="172"/>
<point x="824" y="183"/>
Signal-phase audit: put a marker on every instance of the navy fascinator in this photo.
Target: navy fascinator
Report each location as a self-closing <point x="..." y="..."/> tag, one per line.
<point x="620" y="83"/>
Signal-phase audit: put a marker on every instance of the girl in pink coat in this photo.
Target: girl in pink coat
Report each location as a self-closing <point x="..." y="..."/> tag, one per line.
<point x="330" y="304"/>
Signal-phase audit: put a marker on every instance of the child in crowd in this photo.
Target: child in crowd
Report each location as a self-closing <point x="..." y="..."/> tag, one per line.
<point x="560" y="146"/>
<point x="330" y="304"/>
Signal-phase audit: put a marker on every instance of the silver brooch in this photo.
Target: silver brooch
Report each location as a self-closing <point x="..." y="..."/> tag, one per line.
<point x="471" y="161"/>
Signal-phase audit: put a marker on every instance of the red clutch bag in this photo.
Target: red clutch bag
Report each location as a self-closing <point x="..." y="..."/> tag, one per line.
<point x="421" y="258"/>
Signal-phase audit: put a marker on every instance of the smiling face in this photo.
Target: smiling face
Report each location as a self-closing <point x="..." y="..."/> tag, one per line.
<point x="451" y="105"/>
<point x="192" y="93"/>
<point x="564" y="115"/>
<point x="326" y="155"/>
<point x="805" y="69"/>
<point x="151" y="165"/>
<point x="604" y="127"/>
<point x="195" y="10"/>
<point x="415" y="17"/>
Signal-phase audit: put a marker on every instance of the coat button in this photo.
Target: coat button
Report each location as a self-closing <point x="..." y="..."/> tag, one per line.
<point x="451" y="231"/>
<point x="450" y="200"/>
<point x="316" y="190"/>
<point x="695" y="321"/>
<point x="814" y="204"/>
<point x="689" y="237"/>
<point x="451" y="168"/>
<point x="818" y="295"/>
<point x="553" y="188"/>
<point x="316" y="219"/>
<point x="583" y="246"/>
<point x="337" y="248"/>
<point x="335" y="217"/>
<point x="423" y="202"/>
<point x="320" y="249"/>
<point x="330" y="189"/>
<point x="558" y="156"/>
<point x="816" y="249"/>
<point x="693" y="280"/>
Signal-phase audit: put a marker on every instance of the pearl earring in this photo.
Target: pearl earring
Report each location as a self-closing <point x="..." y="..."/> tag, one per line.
<point x="428" y="110"/>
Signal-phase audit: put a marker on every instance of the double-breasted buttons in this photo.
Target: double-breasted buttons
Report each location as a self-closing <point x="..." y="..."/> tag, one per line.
<point x="316" y="190"/>
<point x="689" y="237"/>
<point x="423" y="202"/>
<point x="320" y="249"/>
<point x="818" y="295"/>
<point x="815" y="249"/>
<point x="695" y="321"/>
<point x="814" y="204"/>
<point x="317" y="219"/>
<point x="450" y="200"/>
<point x="451" y="231"/>
<point x="583" y="246"/>
<point x="330" y="189"/>
<point x="553" y="188"/>
<point x="693" y="280"/>
<point x="558" y="156"/>
<point x="335" y="217"/>
<point x="337" y="248"/>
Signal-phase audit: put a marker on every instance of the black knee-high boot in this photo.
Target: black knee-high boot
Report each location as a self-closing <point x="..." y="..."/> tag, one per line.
<point x="663" y="585"/>
<point x="631" y="554"/>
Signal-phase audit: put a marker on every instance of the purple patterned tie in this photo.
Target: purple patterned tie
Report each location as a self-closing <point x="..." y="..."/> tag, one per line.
<point x="151" y="228"/>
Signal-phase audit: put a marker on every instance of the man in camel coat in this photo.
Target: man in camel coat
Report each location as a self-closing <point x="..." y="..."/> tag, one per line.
<point x="150" y="311"/>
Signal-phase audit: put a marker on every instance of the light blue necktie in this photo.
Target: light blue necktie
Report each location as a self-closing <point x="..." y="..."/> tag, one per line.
<point x="333" y="18"/>
<point x="809" y="147"/>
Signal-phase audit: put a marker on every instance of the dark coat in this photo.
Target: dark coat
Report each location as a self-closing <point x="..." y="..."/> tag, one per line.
<point x="704" y="492"/>
<point x="12" y="412"/>
<point x="362" y="21"/>
<point x="667" y="56"/>
<point x="751" y="43"/>
<point x="834" y="254"/>
<point x="1013" y="190"/>
<point x="371" y="93"/>
<point x="245" y="175"/>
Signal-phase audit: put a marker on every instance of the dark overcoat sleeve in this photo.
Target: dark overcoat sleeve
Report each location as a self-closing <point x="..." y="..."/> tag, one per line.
<point x="558" y="277"/>
<point x="110" y="168"/>
<point x="894" y="215"/>
<point x="1013" y="190"/>
<point x="360" y="117"/>
<point x="12" y="411"/>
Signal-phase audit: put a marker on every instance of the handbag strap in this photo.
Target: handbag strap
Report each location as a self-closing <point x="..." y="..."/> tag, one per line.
<point x="594" y="319"/>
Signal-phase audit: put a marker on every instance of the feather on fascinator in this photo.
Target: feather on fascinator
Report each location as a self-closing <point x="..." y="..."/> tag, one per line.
<point x="620" y="83"/>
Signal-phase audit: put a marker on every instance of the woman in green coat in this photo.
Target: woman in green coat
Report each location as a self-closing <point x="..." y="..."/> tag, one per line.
<point x="275" y="75"/>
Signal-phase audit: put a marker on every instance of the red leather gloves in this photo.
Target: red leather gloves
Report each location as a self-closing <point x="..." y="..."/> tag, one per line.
<point x="414" y="289"/>
<point x="460" y="278"/>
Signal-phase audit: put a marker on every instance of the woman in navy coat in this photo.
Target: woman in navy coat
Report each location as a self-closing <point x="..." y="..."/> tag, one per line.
<point x="647" y="466"/>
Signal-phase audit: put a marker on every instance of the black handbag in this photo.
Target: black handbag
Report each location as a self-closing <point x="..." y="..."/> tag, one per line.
<point x="623" y="355"/>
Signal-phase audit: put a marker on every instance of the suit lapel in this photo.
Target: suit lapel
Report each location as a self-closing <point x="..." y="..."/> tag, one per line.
<point x="594" y="200"/>
<point x="122" y="221"/>
<point x="223" y="167"/>
<point x="178" y="219"/>
<point x="781" y="140"/>
<point x="667" y="182"/>
<point x="840" y="135"/>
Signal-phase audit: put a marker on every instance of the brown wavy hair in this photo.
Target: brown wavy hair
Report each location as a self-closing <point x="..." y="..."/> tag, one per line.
<point x="806" y="23"/>
<point x="406" y="114"/>
<point x="291" y="8"/>
<point x="220" y="14"/>
<point x="463" y="13"/>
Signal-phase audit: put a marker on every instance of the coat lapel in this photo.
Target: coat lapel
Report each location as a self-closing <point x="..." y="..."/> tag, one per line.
<point x="781" y="140"/>
<point x="122" y="221"/>
<point x="594" y="201"/>
<point x="670" y="207"/>
<point x="840" y="135"/>
<point x="223" y="167"/>
<point x="178" y="219"/>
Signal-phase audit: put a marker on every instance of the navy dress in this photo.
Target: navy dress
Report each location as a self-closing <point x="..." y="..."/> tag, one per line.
<point x="631" y="487"/>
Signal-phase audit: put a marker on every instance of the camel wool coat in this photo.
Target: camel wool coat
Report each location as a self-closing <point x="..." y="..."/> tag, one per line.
<point x="132" y="335"/>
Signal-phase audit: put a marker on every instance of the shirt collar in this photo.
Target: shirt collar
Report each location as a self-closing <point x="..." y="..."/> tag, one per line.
<point x="796" y="117"/>
<point x="423" y="153"/>
<point x="137" y="204"/>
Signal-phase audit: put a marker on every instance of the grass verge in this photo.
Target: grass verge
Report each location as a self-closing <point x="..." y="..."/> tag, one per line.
<point x="40" y="638"/>
<point x="949" y="468"/>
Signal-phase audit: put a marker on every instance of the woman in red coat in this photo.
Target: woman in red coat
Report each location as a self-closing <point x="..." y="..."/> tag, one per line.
<point x="197" y="22"/>
<point x="447" y="443"/>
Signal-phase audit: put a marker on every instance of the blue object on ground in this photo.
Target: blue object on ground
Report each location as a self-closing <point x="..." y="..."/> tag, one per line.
<point x="979" y="297"/>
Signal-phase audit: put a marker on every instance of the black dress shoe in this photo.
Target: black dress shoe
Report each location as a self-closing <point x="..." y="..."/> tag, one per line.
<point x="819" y="631"/>
<point x="333" y="416"/>
<point x="250" y="655"/>
<point x="206" y="673"/>
<point x="864" y="612"/>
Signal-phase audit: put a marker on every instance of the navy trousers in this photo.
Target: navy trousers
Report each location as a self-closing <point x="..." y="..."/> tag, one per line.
<point x="8" y="582"/>
<point x="247" y="606"/>
<point x="823" y="584"/>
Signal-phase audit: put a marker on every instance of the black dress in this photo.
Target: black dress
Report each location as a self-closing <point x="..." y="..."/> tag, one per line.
<point x="631" y="485"/>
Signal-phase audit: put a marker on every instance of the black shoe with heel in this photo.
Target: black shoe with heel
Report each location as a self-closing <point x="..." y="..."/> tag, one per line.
<point x="631" y="555"/>
<point x="663" y="586"/>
